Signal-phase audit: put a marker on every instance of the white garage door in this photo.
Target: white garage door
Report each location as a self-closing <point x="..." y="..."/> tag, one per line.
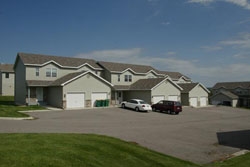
<point x="203" y="101"/>
<point x="193" y="101"/>
<point x="156" y="99"/>
<point x="75" y="100"/>
<point x="98" y="96"/>
<point x="173" y="98"/>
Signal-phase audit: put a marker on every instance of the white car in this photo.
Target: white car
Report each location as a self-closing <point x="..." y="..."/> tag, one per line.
<point x="136" y="104"/>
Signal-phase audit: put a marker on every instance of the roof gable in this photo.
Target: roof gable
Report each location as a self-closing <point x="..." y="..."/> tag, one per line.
<point x="66" y="62"/>
<point x="73" y="76"/>
<point x="187" y="87"/>
<point x="226" y="93"/>
<point x="150" y="83"/>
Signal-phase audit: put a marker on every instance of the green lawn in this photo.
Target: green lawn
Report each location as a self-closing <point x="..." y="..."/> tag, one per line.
<point x="24" y="150"/>
<point x="241" y="161"/>
<point x="8" y="109"/>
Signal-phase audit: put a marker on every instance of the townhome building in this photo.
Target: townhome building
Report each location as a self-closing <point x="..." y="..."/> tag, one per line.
<point x="63" y="82"/>
<point x="7" y="77"/>
<point x="139" y="81"/>
<point x="235" y="94"/>
<point x="68" y="82"/>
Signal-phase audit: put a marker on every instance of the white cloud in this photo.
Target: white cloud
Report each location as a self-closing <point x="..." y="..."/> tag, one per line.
<point x="115" y="54"/>
<point x="241" y="41"/>
<point x="165" y="23"/>
<point x="242" y="3"/>
<point x="208" y="75"/>
<point x="211" y="48"/>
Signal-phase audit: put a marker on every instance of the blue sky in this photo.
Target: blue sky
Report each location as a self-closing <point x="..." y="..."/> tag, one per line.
<point x="207" y="40"/>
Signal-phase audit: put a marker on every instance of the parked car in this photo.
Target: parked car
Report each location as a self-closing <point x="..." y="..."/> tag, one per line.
<point x="168" y="106"/>
<point x="136" y="104"/>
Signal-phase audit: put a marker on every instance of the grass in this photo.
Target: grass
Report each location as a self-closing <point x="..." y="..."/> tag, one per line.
<point x="9" y="109"/>
<point x="241" y="161"/>
<point x="26" y="150"/>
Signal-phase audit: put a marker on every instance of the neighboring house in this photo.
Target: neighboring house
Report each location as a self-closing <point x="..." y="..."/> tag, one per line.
<point x="139" y="81"/>
<point x="238" y="90"/>
<point x="58" y="81"/>
<point x="194" y="94"/>
<point x="176" y="77"/>
<point x="225" y="98"/>
<point x="7" y="77"/>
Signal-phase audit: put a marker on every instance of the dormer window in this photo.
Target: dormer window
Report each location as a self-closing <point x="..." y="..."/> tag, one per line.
<point x="7" y="75"/>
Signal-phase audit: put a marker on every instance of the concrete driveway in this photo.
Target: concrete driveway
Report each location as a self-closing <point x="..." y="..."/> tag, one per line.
<point x="199" y="135"/>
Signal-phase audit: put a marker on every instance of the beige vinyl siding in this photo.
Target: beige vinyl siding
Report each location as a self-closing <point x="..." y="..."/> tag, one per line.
<point x="31" y="72"/>
<point x="87" y="84"/>
<point x="8" y="84"/>
<point x="198" y="92"/>
<point x="166" y="89"/>
<point x="20" y="86"/>
<point x="135" y="77"/>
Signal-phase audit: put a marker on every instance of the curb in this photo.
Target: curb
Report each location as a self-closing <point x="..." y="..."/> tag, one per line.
<point x="15" y="118"/>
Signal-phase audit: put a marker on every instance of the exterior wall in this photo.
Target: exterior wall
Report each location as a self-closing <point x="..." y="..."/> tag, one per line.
<point x="55" y="97"/>
<point x="135" y="77"/>
<point x="20" y="86"/>
<point x="1" y="88"/>
<point x="199" y="92"/>
<point x="166" y="89"/>
<point x="7" y="84"/>
<point x="138" y="94"/>
<point x="31" y="72"/>
<point x="87" y="84"/>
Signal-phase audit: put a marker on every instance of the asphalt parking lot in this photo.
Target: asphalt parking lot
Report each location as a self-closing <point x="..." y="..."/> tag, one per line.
<point x="200" y="135"/>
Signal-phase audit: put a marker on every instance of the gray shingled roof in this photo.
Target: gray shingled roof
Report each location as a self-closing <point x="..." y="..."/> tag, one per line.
<point x="119" y="67"/>
<point x="39" y="59"/>
<point x="6" y="68"/>
<point x="38" y="83"/>
<point x="173" y="75"/>
<point x="146" y="84"/>
<point x="232" y="85"/>
<point x="187" y="87"/>
<point x="66" y="78"/>
<point x="229" y="94"/>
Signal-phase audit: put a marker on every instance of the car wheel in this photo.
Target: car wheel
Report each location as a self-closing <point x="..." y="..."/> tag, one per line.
<point x="123" y="105"/>
<point x="136" y="109"/>
<point x="176" y="113"/>
<point x="153" y="109"/>
<point x="168" y="111"/>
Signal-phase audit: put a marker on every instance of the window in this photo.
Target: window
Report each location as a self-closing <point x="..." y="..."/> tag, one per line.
<point x="48" y="72"/>
<point x="54" y="72"/>
<point x="128" y="78"/>
<point x="51" y="72"/>
<point x="7" y="75"/>
<point x="37" y="71"/>
<point x="119" y="77"/>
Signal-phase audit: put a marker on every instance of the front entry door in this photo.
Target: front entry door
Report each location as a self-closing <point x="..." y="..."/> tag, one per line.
<point x="120" y="96"/>
<point x="39" y="94"/>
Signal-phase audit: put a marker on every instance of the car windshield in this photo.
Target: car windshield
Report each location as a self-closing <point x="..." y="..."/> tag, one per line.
<point x="142" y="102"/>
<point x="178" y="104"/>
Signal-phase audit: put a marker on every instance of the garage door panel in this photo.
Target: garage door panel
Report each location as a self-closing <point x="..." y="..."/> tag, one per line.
<point x="98" y="96"/>
<point x="193" y="101"/>
<point x="173" y="98"/>
<point x="156" y="99"/>
<point x="75" y="100"/>
<point x="203" y="101"/>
